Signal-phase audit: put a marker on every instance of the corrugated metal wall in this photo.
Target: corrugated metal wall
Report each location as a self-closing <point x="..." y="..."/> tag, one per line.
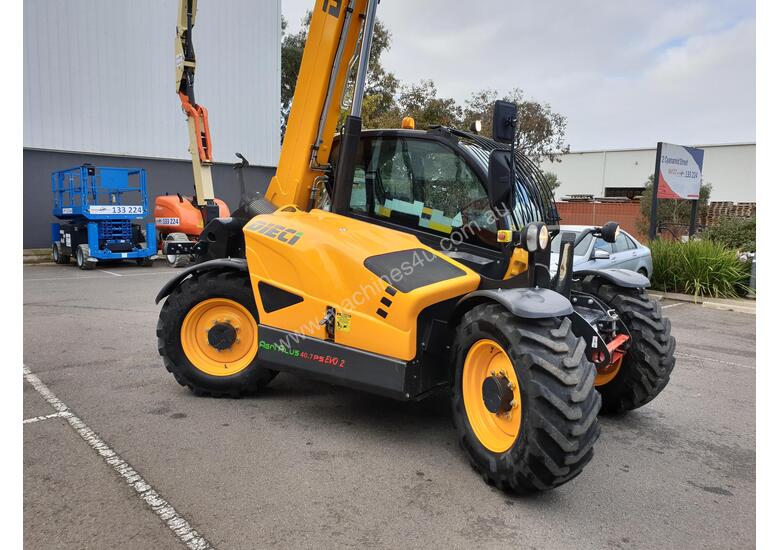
<point x="99" y="77"/>
<point x="731" y="169"/>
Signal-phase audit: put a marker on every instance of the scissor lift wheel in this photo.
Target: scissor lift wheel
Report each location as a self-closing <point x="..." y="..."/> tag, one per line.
<point x="82" y="253"/>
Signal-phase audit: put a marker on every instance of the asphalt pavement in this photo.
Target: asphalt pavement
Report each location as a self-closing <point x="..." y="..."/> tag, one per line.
<point x="118" y="455"/>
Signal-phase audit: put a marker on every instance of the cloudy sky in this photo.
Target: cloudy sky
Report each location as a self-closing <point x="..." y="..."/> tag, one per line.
<point x="625" y="74"/>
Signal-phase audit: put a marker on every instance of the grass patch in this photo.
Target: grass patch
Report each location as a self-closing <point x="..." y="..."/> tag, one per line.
<point x="701" y="268"/>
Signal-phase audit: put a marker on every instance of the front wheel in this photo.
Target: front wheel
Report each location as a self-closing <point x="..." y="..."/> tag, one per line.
<point x="644" y="370"/>
<point x="207" y="335"/>
<point x="523" y="400"/>
<point x="82" y="253"/>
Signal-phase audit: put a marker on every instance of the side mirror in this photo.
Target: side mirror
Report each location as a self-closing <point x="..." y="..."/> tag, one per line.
<point x="504" y="121"/>
<point x="600" y="254"/>
<point x="499" y="186"/>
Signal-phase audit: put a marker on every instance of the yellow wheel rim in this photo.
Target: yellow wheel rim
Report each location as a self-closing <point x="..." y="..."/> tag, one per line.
<point x="606" y="374"/>
<point x="496" y="431"/>
<point x="195" y="337"/>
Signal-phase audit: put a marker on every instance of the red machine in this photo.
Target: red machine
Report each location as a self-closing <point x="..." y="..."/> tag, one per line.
<point x="178" y="219"/>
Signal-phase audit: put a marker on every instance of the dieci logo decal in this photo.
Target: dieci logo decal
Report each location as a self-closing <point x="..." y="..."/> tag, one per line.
<point x="276" y="231"/>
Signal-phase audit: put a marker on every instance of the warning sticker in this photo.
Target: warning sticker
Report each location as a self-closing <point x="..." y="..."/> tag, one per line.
<point x="343" y="322"/>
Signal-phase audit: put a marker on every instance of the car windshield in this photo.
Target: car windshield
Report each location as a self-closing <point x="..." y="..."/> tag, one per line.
<point x="580" y="250"/>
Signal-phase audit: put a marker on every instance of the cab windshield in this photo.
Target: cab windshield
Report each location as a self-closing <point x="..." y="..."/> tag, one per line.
<point x="532" y="200"/>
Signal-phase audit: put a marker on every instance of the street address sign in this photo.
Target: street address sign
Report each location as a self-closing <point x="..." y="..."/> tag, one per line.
<point x="679" y="171"/>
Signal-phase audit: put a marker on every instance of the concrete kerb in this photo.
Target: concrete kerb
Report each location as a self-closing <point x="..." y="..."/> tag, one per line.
<point x="738" y="305"/>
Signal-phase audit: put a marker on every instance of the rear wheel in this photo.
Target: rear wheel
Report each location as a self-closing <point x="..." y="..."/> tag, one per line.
<point x="57" y="256"/>
<point x="145" y="262"/>
<point x="207" y="335"/>
<point x="523" y="400"/>
<point x="644" y="370"/>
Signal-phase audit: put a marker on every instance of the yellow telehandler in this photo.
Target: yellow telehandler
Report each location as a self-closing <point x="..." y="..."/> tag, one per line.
<point x="402" y="262"/>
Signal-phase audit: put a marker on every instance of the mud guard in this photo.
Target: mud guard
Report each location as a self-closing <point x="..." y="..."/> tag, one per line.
<point x="528" y="303"/>
<point x="226" y="264"/>
<point x="621" y="277"/>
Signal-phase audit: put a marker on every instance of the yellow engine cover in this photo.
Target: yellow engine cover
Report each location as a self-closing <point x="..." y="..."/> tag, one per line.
<point x="321" y="257"/>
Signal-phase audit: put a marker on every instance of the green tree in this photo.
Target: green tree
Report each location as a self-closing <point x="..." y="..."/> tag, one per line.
<point x="552" y="180"/>
<point x="381" y="85"/>
<point x="739" y="233"/>
<point x="675" y="215"/>
<point x="540" y="130"/>
<point x="292" y="52"/>
<point x="421" y="102"/>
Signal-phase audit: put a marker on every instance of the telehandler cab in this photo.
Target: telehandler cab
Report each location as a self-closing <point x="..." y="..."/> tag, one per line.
<point x="406" y="261"/>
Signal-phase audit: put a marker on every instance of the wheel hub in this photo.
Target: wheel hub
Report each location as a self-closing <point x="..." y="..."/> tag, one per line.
<point x="222" y="336"/>
<point x="497" y="394"/>
<point x="491" y="395"/>
<point x="219" y="336"/>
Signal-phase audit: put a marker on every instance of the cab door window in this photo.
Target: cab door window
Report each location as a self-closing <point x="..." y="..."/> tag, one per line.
<point x="425" y="185"/>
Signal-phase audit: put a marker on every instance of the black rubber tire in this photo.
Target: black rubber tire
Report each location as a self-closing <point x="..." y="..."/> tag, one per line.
<point x="642" y="271"/>
<point x="145" y="262"/>
<point x="649" y="361"/>
<point x="58" y="257"/>
<point x="82" y="253"/>
<point x="559" y="423"/>
<point x="212" y="284"/>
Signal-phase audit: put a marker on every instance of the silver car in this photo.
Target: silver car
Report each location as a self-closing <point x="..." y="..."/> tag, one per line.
<point x="595" y="253"/>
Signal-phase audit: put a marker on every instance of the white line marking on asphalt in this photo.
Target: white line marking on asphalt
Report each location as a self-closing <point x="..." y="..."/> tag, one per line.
<point x="93" y="277"/>
<point x="109" y="272"/>
<point x="674" y="305"/>
<point x="165" y="511"/>
<point x="39" y="418"/>
<point x="711" y="360"/>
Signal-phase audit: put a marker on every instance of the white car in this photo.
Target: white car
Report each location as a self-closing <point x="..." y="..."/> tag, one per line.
<point x="595" y="253"/>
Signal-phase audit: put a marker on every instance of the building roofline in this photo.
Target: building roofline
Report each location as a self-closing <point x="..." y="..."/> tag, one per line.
<point x="653" y="148"/>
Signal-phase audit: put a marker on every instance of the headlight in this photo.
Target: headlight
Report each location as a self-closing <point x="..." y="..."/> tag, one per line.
<point x="544" y="237"/>
<point x="536" y="237"/>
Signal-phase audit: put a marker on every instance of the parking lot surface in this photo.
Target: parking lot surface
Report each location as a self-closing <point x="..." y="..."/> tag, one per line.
<point x="118" y="455"/>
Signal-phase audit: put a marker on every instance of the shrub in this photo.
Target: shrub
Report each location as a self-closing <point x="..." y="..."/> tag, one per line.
<point x="739" y="233"/>
<point x="700" y="267"/>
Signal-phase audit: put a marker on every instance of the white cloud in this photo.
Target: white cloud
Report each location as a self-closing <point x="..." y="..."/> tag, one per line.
<point x="624" y="73"/>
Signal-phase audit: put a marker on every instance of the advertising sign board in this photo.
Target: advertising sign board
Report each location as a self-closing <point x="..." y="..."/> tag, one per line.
<point x="679" y="172"/>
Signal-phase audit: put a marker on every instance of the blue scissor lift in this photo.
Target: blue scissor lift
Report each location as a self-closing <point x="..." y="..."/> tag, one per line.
<point x="96" y="206"/>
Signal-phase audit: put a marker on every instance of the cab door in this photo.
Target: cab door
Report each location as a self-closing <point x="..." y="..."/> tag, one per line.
<point x="424" y="187"/>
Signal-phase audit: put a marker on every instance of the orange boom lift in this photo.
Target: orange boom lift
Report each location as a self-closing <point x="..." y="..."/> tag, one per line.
<point x="181" y="219"/>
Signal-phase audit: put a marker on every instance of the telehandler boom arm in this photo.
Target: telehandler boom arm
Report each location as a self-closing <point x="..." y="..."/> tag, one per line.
<point x="339" y="33"/>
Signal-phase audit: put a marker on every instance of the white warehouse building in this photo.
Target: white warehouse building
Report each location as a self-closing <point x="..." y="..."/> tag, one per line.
<point x="730" y="168"/>
<point x="99" y="87"/>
